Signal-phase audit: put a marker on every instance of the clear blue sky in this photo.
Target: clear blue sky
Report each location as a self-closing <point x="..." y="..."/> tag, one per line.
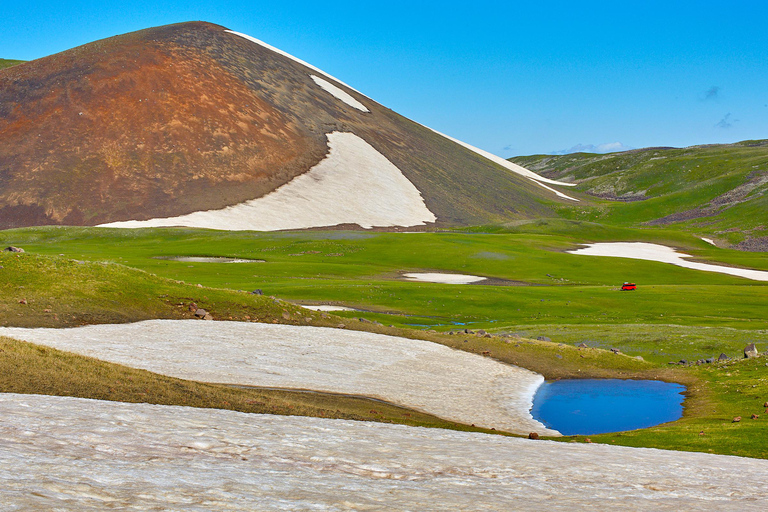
<point x="511" y="77"/>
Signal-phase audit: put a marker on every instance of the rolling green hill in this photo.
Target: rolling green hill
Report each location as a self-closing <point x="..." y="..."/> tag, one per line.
<point x="718" y="191"/>
<point x="6" y="63"/>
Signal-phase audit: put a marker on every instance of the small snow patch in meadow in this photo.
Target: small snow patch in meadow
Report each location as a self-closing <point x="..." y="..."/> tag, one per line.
<point x="354" y="184"/>
<point x="339" y="94"/>
<point x="663" y="254"/>
<point x="327" y="307"/>
<point x="206" y="259"/>
<point x="439" y="277"/>
<point x="448" y="383"/>
<point x="62" y="453"/>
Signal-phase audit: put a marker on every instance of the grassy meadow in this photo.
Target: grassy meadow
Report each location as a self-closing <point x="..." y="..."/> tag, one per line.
<point x="73" y="276"/>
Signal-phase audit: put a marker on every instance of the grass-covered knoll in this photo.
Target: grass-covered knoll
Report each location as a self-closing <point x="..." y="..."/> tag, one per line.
<point x="716" y="190"/>
<point x="6" y="63"/>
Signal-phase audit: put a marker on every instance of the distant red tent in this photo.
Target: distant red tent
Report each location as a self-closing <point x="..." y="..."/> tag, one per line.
<point x="628" y="286"/>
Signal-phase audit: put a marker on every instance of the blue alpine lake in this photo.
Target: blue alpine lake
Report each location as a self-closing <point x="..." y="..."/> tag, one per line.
<point x="598" y="406"/>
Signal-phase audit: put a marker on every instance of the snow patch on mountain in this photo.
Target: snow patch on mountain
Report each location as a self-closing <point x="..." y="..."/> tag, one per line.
<point x="338" y="93"/>
<point x="354" y="184"/>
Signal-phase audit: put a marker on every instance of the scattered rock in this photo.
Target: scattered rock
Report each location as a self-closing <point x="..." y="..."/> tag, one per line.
<point x="208" y="316"/>
<point x="710" y="360"/>
<point x="722" y="357"/>
<point x="533" y="435"/>
<point x="701" y="433"/>
<point x="199" y="285"/>
<point x="736" y="419"/>
<point x="583" y="345"/>
<point x="481" y="332"/>
<point x="487" y="336"/>
<point x="286" y="315"/>
<point x="543" y="338"/>
<point x="755" y="416"/>
<point x="750" y="351"/>
<point x="558" y="356"/>
<point x="361" y="319"/>
<point x="192" y="307"/>
<point x="588" y="440"/>
<point x="200" y="313"/>
<point x="23" y="301"/>
<point x="639" y="358"/>
<point x="11" y="248"/>
<point x="486" y="352"/>
<point x="616" y="351"/>
<point x="257" y="292"/>
<point x="683" y="361"/>
<point x="765" y="405"/>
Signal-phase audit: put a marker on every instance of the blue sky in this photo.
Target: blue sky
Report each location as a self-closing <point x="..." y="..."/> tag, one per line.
<point x="511" y="77"/>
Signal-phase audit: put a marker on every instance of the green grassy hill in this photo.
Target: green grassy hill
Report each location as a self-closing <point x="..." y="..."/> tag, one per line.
<point x="718" y="191"/>
<point x="6" y="63"/>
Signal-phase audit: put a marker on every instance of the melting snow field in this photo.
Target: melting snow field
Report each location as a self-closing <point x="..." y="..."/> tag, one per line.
<point x="62" y="453"/>
<point x="339" y="94"/>
<point x="663" y="254"/>
<point x="354" y="184"/>
<point x="438" y="277"/>
<point x="448" y="383"/>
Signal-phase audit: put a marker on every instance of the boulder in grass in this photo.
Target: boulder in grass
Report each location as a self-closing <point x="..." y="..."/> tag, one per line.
<point x="533" y="435"/>
<point x="200" y="313"/>
<point x="722" y="357"/>
<point x="736" y="419"/>
<point x="582" y="345"/>
<point x="543" y="338"/>
<point x="750" y="351"/>
<point x="11" y="248"/>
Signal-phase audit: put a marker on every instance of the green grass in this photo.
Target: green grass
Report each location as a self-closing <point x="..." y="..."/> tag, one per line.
<point x="6" y="63"/>
<point x="88" y="275"/>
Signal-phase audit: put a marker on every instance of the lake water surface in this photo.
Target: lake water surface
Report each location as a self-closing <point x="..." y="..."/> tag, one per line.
<point x="598" y="406"/>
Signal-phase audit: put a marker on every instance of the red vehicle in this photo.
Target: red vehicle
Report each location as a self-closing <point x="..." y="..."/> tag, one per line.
<point x="628" y="286"/>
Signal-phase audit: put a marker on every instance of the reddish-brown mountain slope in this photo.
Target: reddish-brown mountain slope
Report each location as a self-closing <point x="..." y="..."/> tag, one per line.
<point x="190" y="117"/>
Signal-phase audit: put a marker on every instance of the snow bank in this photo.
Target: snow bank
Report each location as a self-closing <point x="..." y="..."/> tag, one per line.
<point x="339" y="94"/>
<point x="663" y="254"/>
<point x="354" y="184"/>
<point x="73" y="454"/>
<point x="437" y="277"/>
<point x="426" y="376"/>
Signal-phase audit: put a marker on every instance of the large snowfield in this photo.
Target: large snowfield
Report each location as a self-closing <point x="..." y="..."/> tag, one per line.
<point x="354" y="184"/>
<point x="429" y="377"/>
<point x="74" y="454"/>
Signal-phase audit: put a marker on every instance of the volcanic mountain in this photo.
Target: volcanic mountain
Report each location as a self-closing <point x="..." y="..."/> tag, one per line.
<point x="193" y="124"/>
